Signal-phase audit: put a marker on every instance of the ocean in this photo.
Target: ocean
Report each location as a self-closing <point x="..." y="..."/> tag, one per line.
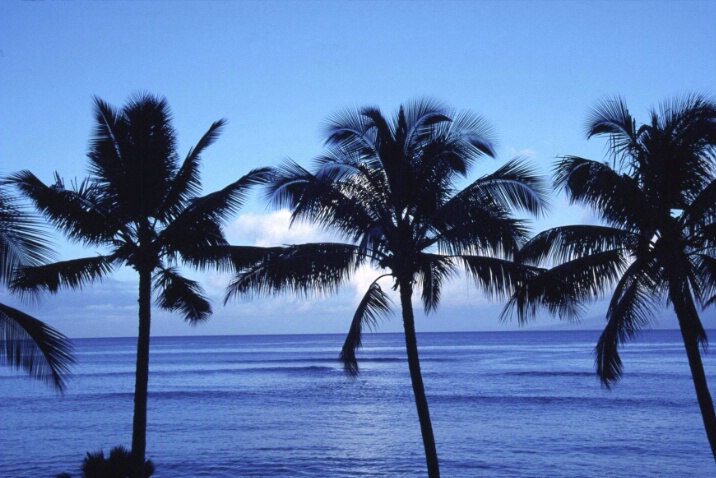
<point x="503" y="404"/>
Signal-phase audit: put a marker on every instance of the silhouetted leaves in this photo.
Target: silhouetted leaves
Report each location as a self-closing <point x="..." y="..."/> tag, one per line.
<point x="26" y="342"/>
<point x="374" y="306"/>
<point x="657" y="198"/>
<point x="387" y="186"/>
<point x="142" y="203"/>
<point x="33" y="346"/>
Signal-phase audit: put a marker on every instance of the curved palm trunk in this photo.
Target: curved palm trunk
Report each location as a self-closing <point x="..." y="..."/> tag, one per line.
<point x="421" y="402"/>
<point x="686" y="313"/>
<point x="139" y="426"/>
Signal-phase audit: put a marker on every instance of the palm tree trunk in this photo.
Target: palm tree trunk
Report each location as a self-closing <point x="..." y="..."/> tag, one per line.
<point x="421" y="402"/>
<point x="139" y="426"/>
<point x="702" y="391"/>
<point x="687" y="314"/>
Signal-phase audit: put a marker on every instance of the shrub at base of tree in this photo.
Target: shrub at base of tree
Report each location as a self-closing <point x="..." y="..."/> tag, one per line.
<point x="117" y="465"/>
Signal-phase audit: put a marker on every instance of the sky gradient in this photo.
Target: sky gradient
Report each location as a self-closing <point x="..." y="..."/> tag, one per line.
<point x="277" y="70"/>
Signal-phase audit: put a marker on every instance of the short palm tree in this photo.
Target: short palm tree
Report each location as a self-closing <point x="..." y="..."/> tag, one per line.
<point x="388" y="188"/>
<point x="26" y="342"/>
<point x="141" y="204"/>
<point x="657" y="240"/>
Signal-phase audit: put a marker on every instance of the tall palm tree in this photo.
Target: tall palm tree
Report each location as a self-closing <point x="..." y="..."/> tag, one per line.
<point x="26" y="342"/>
<point x="388" y="187"/>
<point x="141" y="204"/>
<point x="657" y="240"/>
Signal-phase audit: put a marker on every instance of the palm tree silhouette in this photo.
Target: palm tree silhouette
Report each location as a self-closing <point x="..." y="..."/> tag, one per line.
<point x="657" y="201"/>
<point x="388" y="189"/>
<point x="26" y="342"/>
<point x="141" y="204"/>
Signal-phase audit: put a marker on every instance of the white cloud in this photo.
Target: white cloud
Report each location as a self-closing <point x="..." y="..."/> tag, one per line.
<point x="273" y="229"/>
<point x="362" y="279"/>
<point x="460" y="291"/>
<point x="216" y="283"/>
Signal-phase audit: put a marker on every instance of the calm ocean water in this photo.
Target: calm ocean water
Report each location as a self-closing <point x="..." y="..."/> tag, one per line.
<point x="512" y="404"/>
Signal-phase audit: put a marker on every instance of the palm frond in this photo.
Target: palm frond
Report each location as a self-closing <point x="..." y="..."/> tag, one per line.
<point x="566" y="243"/>
<point x="186" y="239"/>
<point x="676" y="154"/>
<point x="690" y="120"/>
<point x="187" y="183"/>
<point x="434" y="147"/>
<point x="477" y="131"/>
<point x="701" y="212"/>
<point x="611" y="117"/>
<point x="617" y="198"/>
<point x="227" y="258"/>
<point x="73" y="274"/>
<point x="199" y="225"/>
<point x="351" y="130"/>
<point x="338" y="165"/>
<point x="285" y="190"/>
<point x="465" y="228"/>
<point x="79" y="213"/>
<point x="302" y="269"/>
<point x="373" y="137"/>
<point x="478" y="218"/>
<point x="337" y="206"/>
<point x="227" y="201"/>
<point x="384" y="130"/>
<point x="374" y="306"/>
<point x="177" y="293"/>
<point x="516" y="185"/>
<point x="445" y="140"/>
<point x="707" y="269"/>
<point x="433" y="270"/>
<point x="35" y="347"/>
<point x="630" y="311"/>
<point x="421" y="116"/>
<point x="355" y="179"/>
<point x="106" y="136"/>
<point x="564" y="289"/>
<point x="496" y="277"/>
<point x="23" y="239"/>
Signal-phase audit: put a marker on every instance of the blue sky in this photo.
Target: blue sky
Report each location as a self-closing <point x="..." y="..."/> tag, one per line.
<point x="277" y="70"/>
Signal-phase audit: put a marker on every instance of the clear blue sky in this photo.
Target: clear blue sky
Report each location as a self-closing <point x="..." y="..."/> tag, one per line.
<point x="277" y="70"/>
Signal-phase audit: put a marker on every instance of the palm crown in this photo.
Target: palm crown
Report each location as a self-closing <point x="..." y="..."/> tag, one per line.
<point x="657" y="201"/>
<point x="389" y="189"/>
<point x="143" y="205"/>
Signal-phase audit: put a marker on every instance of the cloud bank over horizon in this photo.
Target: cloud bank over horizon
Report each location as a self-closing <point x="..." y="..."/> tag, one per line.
<point x="108" y="308"/>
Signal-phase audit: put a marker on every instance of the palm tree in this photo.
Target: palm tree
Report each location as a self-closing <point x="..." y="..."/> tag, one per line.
<point x="142" y="205"/>
<point x="388" y="189"/>
<point x="657" y="240"/>
<point x="26" y="342"/>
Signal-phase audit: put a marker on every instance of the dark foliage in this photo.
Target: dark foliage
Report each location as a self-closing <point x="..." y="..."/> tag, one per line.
<point x="656" y="198"/>
<point x="27" y="343"/>
<point x="388" y="188"/>
<point x="117" y="465"/>
<point x="142" y="204"/>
